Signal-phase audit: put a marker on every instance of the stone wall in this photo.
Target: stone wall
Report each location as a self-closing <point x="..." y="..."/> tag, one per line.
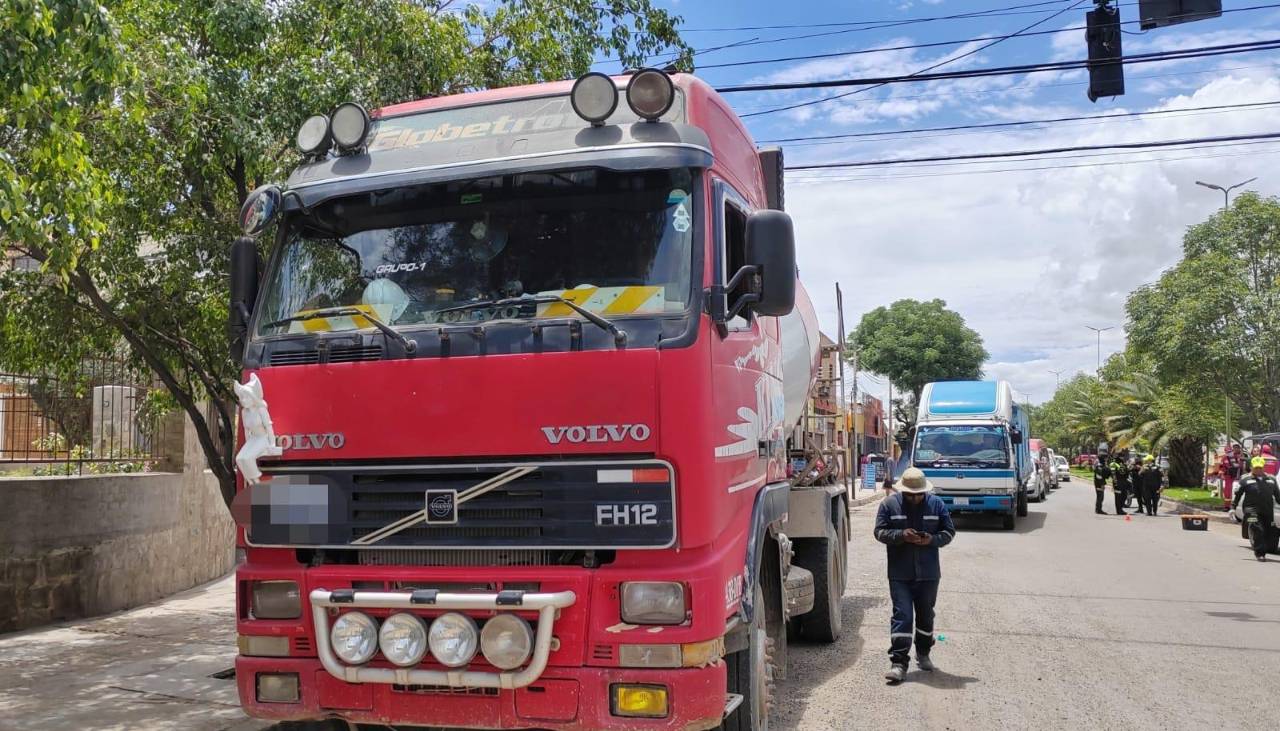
<point x="80" y="546"/>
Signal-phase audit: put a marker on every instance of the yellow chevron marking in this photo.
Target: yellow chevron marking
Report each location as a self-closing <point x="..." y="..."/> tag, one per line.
<point x="327" y="324"/>
<point x="634" y="299"/>
<point x="576" y="296"/>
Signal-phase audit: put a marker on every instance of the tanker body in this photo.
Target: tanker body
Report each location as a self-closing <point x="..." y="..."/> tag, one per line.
<point x="518" y="373"/>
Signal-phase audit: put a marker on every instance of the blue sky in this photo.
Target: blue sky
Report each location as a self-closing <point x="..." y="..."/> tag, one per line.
<point x="1030" y="257"/>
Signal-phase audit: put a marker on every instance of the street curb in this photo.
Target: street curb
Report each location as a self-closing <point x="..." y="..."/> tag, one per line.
<point x="867" y="500"/>
<point x="1181" y="508"/>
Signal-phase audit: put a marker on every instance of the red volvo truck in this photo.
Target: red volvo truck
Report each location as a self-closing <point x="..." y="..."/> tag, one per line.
<point x="521" y="366"/>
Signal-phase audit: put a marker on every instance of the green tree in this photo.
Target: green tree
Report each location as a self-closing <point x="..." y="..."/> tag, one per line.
<point x="1211" y="324"/>
<point x="130" y="136"/>
<point x="913" y="343"/>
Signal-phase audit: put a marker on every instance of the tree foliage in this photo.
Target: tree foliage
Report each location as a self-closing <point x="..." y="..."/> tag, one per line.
<point x="1211" y="324"/>
<point x="913" y="343"/>
<point x="130" y="134"/>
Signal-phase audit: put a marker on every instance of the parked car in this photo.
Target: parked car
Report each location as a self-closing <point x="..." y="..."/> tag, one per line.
<point x="1040" y="458"/>
<point x="1051" y="465"/>
<point x="1085" y="460"/>
<point x="1037" y="489"/>
<point x="1064" y="469"/>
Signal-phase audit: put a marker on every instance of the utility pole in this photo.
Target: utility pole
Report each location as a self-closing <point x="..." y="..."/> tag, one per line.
<point x="1057" y="378"/>
<point x="850" y="456"/>
<point x="1099" y="331"/>
<point x="1226" y="192"/>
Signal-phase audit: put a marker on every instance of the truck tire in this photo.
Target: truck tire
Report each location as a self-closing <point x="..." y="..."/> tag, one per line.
<point x="822" y="557"/>
<point x="1022" y="503"/>
<point x="750" y="674"/>
<point x="1008" y="522"/>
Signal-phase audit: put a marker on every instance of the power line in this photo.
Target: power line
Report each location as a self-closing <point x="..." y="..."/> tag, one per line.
<point x="1041" y="151"/>
<point x="1085" y="155"/>
<point x="1023" y="87"/>
<point x="990" y="13"/>
<point x="1182" y="54"/>
<point x="944" y="62"/>
<point x="884" y="178"/>
<point x="1002" y="125"/>
<point x="934" y="44"/>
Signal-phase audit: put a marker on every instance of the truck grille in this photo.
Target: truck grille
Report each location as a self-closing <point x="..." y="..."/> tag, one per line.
<point x="516" y="507"/>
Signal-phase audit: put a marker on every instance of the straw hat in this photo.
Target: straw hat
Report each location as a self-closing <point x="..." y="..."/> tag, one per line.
<point x="913" y="481"/>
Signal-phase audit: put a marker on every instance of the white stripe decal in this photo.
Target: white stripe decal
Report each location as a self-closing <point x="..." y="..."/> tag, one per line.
<point x="897" y="517"/>
<point x="930" y="517"/>
<point x="745" y="485"/>
<point x="613" y="476"/>
<point x="926" y="634"/>
<point x="899" y="635"/>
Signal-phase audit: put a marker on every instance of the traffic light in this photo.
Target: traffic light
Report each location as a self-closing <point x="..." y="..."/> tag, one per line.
<point x="1106" y="70"/>
<point x="1157" y="13"/>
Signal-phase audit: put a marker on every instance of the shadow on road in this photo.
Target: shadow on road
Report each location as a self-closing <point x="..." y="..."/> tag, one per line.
<point x="833" y="659"/>
<point x="941" y="680"/>
<point x="1033" y="522"/>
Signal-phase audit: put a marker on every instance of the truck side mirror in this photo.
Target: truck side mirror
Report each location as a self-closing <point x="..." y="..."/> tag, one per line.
<point x="1015" y="436"/>
<point x="771" y="249"/>
<point x="244" y="291"/>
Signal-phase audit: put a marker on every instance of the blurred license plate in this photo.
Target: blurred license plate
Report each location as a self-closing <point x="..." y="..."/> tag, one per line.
<point x="962" y="501"/>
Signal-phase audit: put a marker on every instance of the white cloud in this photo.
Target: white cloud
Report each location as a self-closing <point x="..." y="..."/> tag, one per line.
<point x="1027" y="258"/>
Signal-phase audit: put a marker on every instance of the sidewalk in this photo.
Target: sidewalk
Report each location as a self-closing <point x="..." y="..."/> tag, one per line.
<point x="146" y="668"/>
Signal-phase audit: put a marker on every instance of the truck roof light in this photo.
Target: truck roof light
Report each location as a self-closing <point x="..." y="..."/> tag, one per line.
<point x="313" y="136"/>
<point x="650" y="94"/>
<point x="350" y="126"/>
<point x="594" y="97"/>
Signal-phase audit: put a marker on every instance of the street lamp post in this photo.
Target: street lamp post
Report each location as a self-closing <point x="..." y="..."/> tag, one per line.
<point x="1226" y="192"/>
<point x="1057" y="378"/>
<point x="1099" y="331"/>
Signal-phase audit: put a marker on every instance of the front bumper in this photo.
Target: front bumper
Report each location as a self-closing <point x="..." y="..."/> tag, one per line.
<point x="561" y="699"/>
<point x="979" y="503"/>
<point x="546" y="605"/>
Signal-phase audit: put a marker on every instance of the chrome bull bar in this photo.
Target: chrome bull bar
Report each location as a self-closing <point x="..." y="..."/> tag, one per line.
<point x="547" y="605"/>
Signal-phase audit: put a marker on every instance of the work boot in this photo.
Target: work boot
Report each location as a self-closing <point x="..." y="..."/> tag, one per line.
<point x="896" y="674"/>
<point x="924" y="663"/>
<point x="1263" y="559"/>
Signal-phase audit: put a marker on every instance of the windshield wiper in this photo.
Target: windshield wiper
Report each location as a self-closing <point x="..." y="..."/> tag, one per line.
<point x="619" y="335"/>
<point x="410" y="347"/>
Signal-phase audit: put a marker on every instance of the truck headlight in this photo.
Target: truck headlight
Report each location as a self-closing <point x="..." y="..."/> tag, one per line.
<point x="653" y="602"/>
<point x="506" y="641"/>
<point x="275" y="600"/>
<point x="354" y="638"/>
<point x="453" y="639"/>
<point x="403" y="639"/>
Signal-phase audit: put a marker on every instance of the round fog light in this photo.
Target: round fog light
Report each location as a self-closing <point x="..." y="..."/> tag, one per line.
<point x="354" y="638"/>
<point x="594" y="97"/>
<point x="350" y="126"/>
<point x="313" y="135"/>
<point x="650" y="94"/>
<point x="453" y="639"/>
<point x="506" y="641"/>
<point x="403" y="639"/>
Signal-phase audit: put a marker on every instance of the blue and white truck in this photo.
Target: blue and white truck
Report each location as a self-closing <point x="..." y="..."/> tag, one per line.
<point x="971" y="441"/>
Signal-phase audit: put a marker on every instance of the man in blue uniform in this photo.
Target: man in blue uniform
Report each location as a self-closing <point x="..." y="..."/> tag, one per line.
<point x="913" y="524"/>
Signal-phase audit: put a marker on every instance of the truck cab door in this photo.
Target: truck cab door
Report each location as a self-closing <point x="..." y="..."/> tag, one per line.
<point x="746" y="367"/>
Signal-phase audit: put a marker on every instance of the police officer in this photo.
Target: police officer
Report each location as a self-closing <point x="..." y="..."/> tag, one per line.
<point x="1151" y="483"/>
<point x="913" y="525"/>
<point x="1134" y="479"/>
<point x="1120" y="482"/>
<point x="1259" y="493"/>
<point x="1101" y="473"/>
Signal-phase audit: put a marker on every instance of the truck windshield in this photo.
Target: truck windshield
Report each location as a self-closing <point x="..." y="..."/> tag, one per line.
<point x="615" y="243"/>
<point x="967" y="444"/>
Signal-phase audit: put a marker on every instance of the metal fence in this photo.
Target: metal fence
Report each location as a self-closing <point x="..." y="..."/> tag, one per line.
<point x="105" y="418"/>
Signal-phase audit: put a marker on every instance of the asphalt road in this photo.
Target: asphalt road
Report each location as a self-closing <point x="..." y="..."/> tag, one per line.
<point x="1074" y="621"/>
